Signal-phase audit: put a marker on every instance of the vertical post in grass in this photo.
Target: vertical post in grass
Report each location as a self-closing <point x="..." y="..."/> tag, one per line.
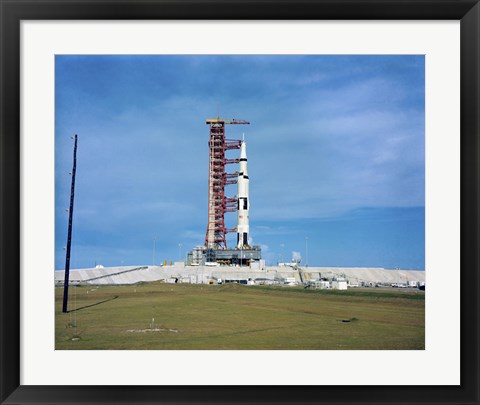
<point x="69" y="236"/>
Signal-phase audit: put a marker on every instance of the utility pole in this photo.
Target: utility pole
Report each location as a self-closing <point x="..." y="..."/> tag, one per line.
<point x="69" y="237"/>
<point x="306" y="251"/>
<point x="180" y="252"/>
<point x="154" y="248"/>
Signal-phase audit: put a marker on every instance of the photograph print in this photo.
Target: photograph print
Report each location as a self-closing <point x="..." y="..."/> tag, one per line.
<point x="240" y="202"/>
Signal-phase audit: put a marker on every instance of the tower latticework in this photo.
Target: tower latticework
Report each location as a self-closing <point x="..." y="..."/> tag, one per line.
<point x="218" y="203"/>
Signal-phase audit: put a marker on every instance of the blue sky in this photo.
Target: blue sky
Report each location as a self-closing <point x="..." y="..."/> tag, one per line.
<point x="335" y="148"/>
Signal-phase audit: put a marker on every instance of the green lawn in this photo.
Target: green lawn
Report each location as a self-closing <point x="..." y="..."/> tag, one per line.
<point x="236" y="317"/>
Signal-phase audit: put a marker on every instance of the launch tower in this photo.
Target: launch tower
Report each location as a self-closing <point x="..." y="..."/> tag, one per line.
<point x="218" y="203"/>
<point x="215" y="250"/>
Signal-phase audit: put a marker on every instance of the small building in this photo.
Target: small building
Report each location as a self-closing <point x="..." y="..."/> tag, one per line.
<point x="339" y="284"/>
<point x="196" y="257"/>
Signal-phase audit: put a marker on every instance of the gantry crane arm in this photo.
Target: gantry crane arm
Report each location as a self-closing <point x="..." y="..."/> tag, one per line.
<point x="226" y="121"/>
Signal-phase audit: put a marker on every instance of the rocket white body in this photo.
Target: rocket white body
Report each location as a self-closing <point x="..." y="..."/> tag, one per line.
<point x="243" y="202"/>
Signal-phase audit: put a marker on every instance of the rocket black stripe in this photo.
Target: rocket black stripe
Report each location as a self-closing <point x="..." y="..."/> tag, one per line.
<point x="243" y="159"/>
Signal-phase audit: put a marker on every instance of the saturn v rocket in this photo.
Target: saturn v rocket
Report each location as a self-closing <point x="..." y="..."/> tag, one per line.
<point x="243" y="200"/>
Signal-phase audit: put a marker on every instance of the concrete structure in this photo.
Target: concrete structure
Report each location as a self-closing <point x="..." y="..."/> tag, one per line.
<point x="261" y="275"/>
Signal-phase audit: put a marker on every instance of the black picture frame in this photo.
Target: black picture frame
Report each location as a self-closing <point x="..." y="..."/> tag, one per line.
<point x="12" y="12"/>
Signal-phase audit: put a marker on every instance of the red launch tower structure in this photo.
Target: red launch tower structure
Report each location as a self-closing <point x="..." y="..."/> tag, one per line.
<point x="218" y="203"/>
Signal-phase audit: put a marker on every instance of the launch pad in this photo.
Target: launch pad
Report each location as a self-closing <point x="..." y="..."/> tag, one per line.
<point x="201" y="256"/>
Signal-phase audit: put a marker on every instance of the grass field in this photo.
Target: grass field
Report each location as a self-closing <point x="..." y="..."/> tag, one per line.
<point x="234" y="316"/>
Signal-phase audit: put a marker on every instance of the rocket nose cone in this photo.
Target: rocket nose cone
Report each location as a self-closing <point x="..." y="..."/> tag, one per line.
<point x="243" y="150"/>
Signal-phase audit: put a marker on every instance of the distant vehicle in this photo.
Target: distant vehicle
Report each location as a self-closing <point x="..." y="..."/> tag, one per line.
<point x="212" y="264"/>
<point x="219" y="281"/>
